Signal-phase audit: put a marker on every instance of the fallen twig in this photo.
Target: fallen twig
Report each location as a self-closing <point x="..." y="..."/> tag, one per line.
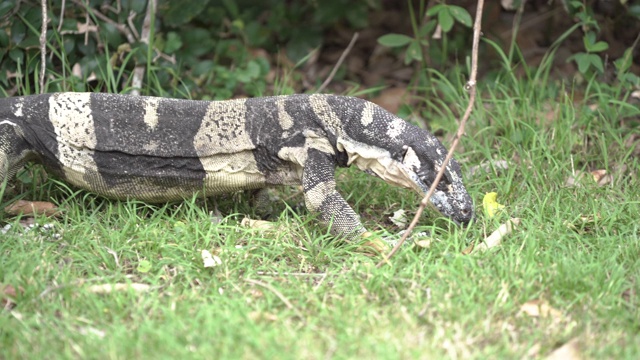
<point x="471" y="87"/>
<point x="496" y="237"/>
<point x="109" y="288"/>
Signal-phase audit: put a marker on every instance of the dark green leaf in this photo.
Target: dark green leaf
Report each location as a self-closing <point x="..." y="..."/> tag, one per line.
<point x="427" y="29"/>
<point x="203" y="67"/>
<point x="253" y="69"/>
<point x="599" y="46"/>
<point x="18" y="31"/>
<point x="31" y="41"/>
<point x="5" y="6"/>
<point x="414" y="51"/>
<point x="624" y="63"/>
<point x="461" y="15"/>
<point x="445" y="20"/>
<point x="302" y="42"/>
<point x="435" y="9"/>
<point x="589" y="39"/>
<point x="596" y="61"/>
<point x="232" y="8"/>
<point x="631" y="79"/>
<point x="33" y="17"/>
<point x="264" y="65"/>
<point x="176" y="13"/>
<point x="583" y="63"/>
<point x="17" y="55"/>
<point x="173" y="43"/>
<point x="394" y="40"/>
<point x="4" y="38"/>
<point x="582" y="59"/>
<point x="111" y="35"/>
<point x="68" y="45"/>
<point x="197" y="41"/>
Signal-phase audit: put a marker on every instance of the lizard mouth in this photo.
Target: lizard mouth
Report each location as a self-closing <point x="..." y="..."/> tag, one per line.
<point x="441" y="202"/>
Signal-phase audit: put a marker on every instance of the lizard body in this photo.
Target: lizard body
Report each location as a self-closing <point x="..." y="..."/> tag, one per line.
<point x="157" y="149"/>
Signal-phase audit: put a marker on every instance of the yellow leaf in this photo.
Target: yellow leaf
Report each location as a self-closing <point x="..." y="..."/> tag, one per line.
<point x="491" y="206"/>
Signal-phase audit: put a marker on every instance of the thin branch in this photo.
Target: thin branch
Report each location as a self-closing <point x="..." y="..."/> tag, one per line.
<point x="61" y="15"/>
<point x="471" y="87"/>
<point x="138" y="71"/>
<point x="43" y="45"/>
<point x="122" y="28"/>
<point x="340" y="61"/>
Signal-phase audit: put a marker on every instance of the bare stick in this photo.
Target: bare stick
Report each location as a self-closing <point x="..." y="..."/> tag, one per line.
<point x="340" y="61"/>
<point x="61" y="15"/>
<point x="43" y="45"/>
<point x="121" y="28"/>
<point x="138" y="71"/>
<point x="471" y="87"/>
<point x="496" y="237"/>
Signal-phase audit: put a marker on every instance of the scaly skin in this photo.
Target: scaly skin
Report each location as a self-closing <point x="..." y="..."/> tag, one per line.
<point x="157" y="149"/>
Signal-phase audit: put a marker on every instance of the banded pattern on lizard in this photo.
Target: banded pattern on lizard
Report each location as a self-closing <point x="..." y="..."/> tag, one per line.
<point x="157" y="149"/>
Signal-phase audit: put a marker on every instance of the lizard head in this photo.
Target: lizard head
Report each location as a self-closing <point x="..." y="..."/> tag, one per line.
<point x="421" y="164"/>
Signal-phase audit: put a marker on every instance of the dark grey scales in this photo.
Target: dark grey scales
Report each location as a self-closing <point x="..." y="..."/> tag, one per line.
<point x="157" y="149"/>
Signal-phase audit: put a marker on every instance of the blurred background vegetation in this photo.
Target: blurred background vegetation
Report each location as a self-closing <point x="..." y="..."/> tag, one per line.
<point x="220" y="49"/>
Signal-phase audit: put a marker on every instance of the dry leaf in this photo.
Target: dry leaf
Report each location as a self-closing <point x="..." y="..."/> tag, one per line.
<point x="257" y="224"/>
<point x="575" y="179"/>
<point x="76" y="70"/>
<point x="568" y="351"/>
<point x="88" y="330"/>
<point x="8" y="296"/>
<point x="496" y="237"/>
<point x="109" y="288"/>
<point x="373" y="245"/>
<point x="31" y="208"/>
<point x="509" y="5"/>
<point x="210" y="260"/>
<point x="540" y="308"/>
<point x="399" y="218"/>
<point x="437" y="35"/>
<point x="262" y="316"/>
<point x="424" y="243"/>
<point x="583" y="224"/>
<point x="601" y="177"/>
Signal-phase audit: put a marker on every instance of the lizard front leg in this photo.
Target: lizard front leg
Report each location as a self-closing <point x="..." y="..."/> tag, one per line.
<point x="322" y="198"/>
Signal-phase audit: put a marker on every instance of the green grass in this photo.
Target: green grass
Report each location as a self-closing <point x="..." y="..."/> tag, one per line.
<point x="293" y="293"/>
